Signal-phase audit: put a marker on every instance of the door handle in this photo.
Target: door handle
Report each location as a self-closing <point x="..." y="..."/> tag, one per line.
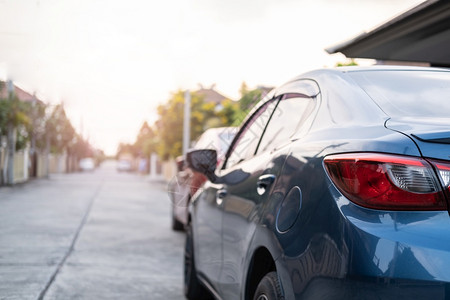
<point x="264" y="181"/>
<point x="220" y="195"/>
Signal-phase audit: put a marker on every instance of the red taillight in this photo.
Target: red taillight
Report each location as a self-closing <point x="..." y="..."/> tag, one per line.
<point x="388" y="182"/>
<point x="443" y="169"/>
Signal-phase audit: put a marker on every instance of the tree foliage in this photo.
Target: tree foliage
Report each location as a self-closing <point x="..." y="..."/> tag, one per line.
<point x="166" y="136"/>
<point x="145" y="144"/>
<point x="39" y="126"/>
<point x="15" y="112"/>
<point x="249" y="98"/>
<point x="125" y="148"/>
<point x="146" y="141"/>
<point x="81" y="148"/>
<point x="60" y="130"/>
<point x="348" y="63"/>
<point x="170" y="122"/>
<point x="230" y="114"/>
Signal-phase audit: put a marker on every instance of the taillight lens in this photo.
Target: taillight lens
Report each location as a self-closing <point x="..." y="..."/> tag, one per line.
<point x="388" y="182"/>
<point x="443" y="169"/>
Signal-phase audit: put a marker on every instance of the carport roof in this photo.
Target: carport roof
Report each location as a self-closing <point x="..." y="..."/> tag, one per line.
<point x="421" y="34"/>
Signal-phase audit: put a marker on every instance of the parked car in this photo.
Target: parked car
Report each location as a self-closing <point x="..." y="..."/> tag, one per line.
<point x="335" y="187"/>
<point x="87" y="164"/>
<point x="124" y="164"/>
<point x="186" y="182"/>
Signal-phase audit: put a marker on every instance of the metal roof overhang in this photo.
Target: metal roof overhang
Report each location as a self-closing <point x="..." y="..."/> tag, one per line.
<point x="421" y="34"/>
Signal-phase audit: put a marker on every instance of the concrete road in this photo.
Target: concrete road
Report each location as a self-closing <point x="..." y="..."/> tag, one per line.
<point x="99" y="235"/>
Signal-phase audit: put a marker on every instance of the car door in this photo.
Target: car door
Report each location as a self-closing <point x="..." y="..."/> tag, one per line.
<point x="207" y="233"/>
<point x="208" y="206"/>
<point x="244" y="199"/>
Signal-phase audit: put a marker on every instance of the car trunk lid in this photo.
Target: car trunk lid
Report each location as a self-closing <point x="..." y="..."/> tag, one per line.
<point x="432" y="136"/>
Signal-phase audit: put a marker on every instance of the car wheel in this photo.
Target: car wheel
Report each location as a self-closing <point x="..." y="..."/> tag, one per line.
<point x="269" y="288"/>
<point x="176" y="225"/>
<point x="193" y="289"/>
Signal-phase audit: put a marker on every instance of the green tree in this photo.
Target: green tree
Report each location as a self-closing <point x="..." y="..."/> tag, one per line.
<point x="146" y="141"/>
<point x="80" y="148"/>
<point x="15" y="112"/>
<point x="249" y="99"/>
<point x="37" y="125"/>
<point x="243" y="89"/>
<point x="230" y="113"/>
<point x="125" y="148"/>
<point x="145" y="144"/>
<point x="27" y="117"/>
<point x="170" y="123"/>
<point x="60" y="131"/>
<point x="348" y="63"/>
<point x="13" y="122"/>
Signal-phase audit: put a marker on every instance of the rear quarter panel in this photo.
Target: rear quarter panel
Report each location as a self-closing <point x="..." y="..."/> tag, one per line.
<point x="321" y="242"/>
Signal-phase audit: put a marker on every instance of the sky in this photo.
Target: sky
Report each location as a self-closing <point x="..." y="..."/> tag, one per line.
<point x="112" y="62"/>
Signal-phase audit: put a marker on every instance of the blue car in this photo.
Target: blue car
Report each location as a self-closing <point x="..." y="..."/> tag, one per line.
<point x="335" y="187"/>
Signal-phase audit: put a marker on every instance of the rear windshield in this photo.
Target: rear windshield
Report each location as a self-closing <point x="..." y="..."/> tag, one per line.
<point x="408" y="93"/>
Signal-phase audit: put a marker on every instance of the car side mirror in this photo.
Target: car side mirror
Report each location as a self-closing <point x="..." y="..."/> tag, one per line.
<point x="203" y="161"/>
<point x="180" y="163"/>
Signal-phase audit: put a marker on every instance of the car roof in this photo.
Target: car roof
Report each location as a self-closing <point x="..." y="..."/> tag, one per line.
<point x="350" y="69"/>
<point x="388" y="68"/>
<point x="307" y="83"/>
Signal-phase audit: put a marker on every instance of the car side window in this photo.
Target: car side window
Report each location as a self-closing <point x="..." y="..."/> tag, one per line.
<point x="246" y="143"/>
<point x="290" y="113"/>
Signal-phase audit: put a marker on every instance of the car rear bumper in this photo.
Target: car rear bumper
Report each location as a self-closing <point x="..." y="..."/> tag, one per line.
<point x="373" y="288"/>
<point x="372" y="254"/>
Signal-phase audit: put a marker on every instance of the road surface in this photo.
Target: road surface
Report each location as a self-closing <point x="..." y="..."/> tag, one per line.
<point x="99" y="235"/>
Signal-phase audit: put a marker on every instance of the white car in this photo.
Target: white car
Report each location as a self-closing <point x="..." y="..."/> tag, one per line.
<point x="87" y="164"/>
<point x="124" y="165"/>
<point x="187" y="182"/>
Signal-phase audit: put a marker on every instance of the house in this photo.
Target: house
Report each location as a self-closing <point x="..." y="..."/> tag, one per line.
<point x="20" y="93"/>
<point x="27" y="163"/>
<point x="211" y="95"/>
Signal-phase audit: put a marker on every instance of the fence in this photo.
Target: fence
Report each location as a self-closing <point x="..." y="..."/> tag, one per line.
<point x="26" y="167"/>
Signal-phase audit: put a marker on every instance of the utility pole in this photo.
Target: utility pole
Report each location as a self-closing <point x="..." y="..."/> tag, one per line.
<point x="47" y="155"/>
<point x="186" y="123"/>
<point x="33" y="153"/>
<point x="11" y="140"/>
